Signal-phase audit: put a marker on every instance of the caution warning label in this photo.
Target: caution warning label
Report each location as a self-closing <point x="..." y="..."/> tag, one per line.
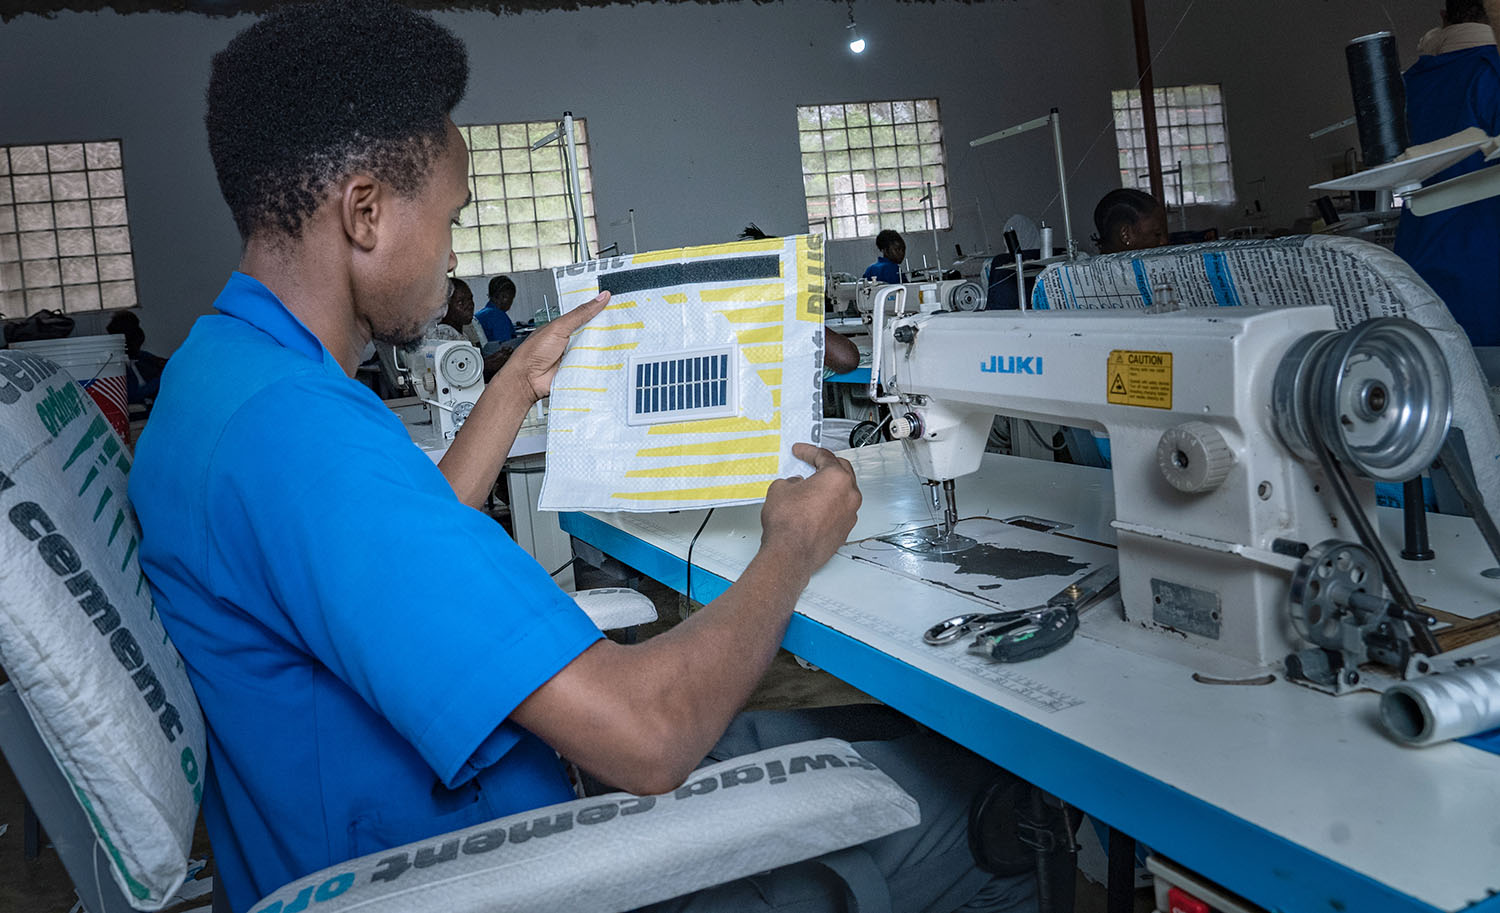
<point x="1140" y="379"/>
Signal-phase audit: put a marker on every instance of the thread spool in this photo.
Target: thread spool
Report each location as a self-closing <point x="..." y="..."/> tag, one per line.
<point x="1379" y="97"/>
<point x="1046" y="241"/>
<point x="1437" y="708"/>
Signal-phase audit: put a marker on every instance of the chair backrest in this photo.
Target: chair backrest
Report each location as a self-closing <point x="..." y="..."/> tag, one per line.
<point x="80" y="639"/>
<point x="1358" y="280"/>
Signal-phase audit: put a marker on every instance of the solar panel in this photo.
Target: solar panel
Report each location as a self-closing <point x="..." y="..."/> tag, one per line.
<point x="682" y="386"/>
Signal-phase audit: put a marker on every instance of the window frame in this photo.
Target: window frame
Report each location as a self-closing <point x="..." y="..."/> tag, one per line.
<point x="503" y="181"/>
<point x="844" y="158"/>
<point x="65" y="240"/>
<point x="1192" y="129"/>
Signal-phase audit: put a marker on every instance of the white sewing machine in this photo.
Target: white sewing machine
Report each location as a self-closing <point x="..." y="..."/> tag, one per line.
<point x="1234" y="540"/>
<point x="449" y="376"/>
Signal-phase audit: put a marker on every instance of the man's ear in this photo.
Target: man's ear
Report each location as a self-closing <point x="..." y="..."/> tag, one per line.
<point x="361" y="205"/>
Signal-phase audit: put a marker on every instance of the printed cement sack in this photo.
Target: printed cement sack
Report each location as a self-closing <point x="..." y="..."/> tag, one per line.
<point x="619" y="852"/>
<point x="79" y="636"/>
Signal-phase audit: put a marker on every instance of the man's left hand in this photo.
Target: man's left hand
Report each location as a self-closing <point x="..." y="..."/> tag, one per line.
<point x="534" y="364"/>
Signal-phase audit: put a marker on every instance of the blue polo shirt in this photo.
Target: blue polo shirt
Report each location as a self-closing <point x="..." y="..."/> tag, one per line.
<point x="887" y="271"/>
<point x="497" y="325"/>
<point x="356" y="635"/>
<point x="1457" y="251"/>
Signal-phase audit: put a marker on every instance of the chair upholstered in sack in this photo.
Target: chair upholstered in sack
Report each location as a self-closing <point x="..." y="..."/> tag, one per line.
<point x="101" y="726"/>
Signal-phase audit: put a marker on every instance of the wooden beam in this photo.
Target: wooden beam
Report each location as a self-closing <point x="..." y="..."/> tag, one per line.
<point x="1148" y="95"/>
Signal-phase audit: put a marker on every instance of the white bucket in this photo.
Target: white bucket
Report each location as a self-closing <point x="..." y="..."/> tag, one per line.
<point x="98" y="364"/>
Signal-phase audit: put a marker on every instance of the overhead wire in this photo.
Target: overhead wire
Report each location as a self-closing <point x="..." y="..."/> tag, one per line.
<point x="1078" y="165"/>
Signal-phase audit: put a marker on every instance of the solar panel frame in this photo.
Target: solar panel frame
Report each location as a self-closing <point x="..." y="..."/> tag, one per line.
<point x="684" y="385"/>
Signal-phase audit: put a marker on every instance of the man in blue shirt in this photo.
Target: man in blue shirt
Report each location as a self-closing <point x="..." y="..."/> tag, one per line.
<point x="892" y="249"/>
<point x="356" y="700"/>
<point x="493" y="318"/>
<point x="1456" y="84"/>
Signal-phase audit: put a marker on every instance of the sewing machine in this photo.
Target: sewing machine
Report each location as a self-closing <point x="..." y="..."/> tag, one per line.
<point x="1241" y="539"/>
<point x="448" y="376"/>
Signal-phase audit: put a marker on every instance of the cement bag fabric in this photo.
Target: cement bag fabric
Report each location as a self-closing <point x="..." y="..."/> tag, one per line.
<point x="79" y="636"/>
<point x="617" y="851"/>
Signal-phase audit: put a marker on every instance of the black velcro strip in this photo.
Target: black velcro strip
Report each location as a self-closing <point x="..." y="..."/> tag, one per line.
<point x="727" y="269"/>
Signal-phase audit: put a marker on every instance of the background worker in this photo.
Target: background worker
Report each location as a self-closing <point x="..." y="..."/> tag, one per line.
<point x="887" y="268"/>
<point x="494" y="317"/>
<point x="1455" y="84"/>
<point x="1129" y="219"/>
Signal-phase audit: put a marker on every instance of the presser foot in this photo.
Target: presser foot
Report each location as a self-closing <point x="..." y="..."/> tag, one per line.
<point x="930" y="540"/>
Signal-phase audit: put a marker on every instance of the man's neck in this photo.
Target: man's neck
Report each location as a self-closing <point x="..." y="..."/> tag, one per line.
<point x="310" y="281"/>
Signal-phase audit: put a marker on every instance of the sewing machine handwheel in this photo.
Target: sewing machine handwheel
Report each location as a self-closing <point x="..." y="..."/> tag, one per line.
<point x="1329" y="574"/>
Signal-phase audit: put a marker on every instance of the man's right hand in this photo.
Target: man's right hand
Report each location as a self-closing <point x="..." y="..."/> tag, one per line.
<point x="808" y="519"/>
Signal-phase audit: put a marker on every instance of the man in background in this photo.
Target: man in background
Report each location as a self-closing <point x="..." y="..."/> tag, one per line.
<point x="493" y="317"/>
<point x="142" y="369"/>
<point x="1455" y="84"/>
<point x="892" y="249"/>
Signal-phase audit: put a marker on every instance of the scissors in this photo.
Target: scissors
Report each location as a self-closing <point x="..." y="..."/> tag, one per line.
<point x="1069" y="600"/>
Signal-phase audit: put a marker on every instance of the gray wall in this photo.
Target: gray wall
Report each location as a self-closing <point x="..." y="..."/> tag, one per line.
<point x="690" y="110"/>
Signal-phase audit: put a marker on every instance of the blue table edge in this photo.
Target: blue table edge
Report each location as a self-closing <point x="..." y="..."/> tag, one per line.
<point x="1264" y="867"/>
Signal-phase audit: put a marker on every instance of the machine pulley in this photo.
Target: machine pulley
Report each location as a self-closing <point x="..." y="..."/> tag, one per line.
<point x="1378" y="396"/>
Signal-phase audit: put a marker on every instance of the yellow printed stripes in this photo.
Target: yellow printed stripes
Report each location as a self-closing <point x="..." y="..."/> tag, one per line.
<point x="758" y="466"/>
<point x="770" y="314"/>
<point x="770" y="443"/>
<point x="770" y="291"/>
<point x="759" y="334"/>
<point x="762" y="355"/>
<point x="615" y="326"/>
<point x="711" y="493"/>
<point x="715" y="425"/>
<point x="614" y="348"/>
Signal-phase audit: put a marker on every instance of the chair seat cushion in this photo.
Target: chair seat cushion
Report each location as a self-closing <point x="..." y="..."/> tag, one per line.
<point x="617" y="851"/>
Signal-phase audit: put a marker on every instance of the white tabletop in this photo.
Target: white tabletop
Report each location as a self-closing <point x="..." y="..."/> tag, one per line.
<point x="1288" y="796"/>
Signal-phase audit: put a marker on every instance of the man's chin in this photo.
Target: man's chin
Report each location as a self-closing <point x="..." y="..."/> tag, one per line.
<point x="405" y="342"/>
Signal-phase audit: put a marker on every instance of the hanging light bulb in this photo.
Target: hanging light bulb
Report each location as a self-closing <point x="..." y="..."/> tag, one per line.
<point x="856" y="41"/>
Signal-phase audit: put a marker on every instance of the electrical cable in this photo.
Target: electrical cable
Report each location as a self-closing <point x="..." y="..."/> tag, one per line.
<point x="692" y="543"/>
<point x="1037" y="436"/>
<point x="565" y="566"/>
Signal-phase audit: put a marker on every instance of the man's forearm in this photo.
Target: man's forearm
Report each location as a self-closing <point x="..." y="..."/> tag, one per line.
<point x="641" y="716"/>
<point x="473" y="461"/>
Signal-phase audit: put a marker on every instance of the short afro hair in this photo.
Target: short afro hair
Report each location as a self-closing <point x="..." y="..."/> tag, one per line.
<point x="1122" y="206"/>
<point x="500" y="284"/>
<point x="886" y="238"/>
<point x="1466" y="11"/>
<point x="318" y="91"/>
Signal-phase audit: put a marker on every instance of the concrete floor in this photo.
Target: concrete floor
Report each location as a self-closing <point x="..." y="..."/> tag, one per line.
<point x="42" y="885"/>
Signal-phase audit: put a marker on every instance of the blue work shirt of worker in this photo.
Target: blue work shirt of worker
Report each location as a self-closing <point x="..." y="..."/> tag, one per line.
<point x="887" y="271"/>
<point x="356" y="635"/>
<point x="496" y="324"/>
<point x="1457" y="251"/>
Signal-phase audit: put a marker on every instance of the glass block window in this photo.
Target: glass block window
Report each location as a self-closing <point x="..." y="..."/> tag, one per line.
<point x="866" y="167"/>
<point x="521" y="216"/>
<point x="1190" y="128"/>
<point x="64" y="236"/>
